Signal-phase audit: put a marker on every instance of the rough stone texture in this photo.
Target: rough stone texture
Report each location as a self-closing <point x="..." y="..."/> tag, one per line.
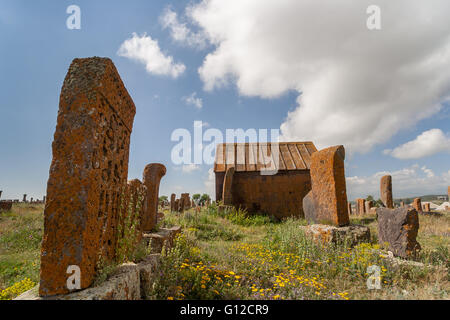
<point x="327" y="201"/>
<point x="5" y="205"/>
<point x="184" y="202"/>
<point x="177" y="205"/>
<point x="386" y="191"/>
<point x="360" y="206"/>
<point x="368" y="206"/>
<point x="426" y="207"/>
<point x="123" y="284"/>
<point x="88" y="171"/>
<point x="227" y="195"/>
<point x="147" y="271"/>
<point x="164" y="237"/>
<point x="350" y="211"/>
<point x="417" y="204"/>
<point x="399" y="227"/>
<point x="172" y="202"/>
<point x="352" y="234"/>
<point x="152" y="176"/>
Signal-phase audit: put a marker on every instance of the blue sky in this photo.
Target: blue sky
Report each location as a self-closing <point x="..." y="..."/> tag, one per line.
<point x="37" y="49"/>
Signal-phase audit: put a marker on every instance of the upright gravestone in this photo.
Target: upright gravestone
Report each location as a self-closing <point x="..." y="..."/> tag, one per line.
<point x="417" y="204"/>
<point x="326" y="203"/>
<point x="399" y="228"/>
<point x="349" y="208"/>
<point x="427" y="207"/>
<point x="368" y="206"/>
<point x="172" y="202"/>
<point x="176" y="206"/>
<point x="88" y="173"/>
<point x="360" y="206"/>
<point x="24" y="198"/>
<point x="152" y="177"/>
<point x="1" y="194"/>
<point x="386" y="191"/>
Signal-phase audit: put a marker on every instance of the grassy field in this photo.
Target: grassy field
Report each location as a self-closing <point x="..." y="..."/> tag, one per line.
<point x="232" y="256"/>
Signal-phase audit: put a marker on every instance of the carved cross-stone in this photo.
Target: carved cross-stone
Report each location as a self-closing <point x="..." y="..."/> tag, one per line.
<point x="386" y="191"/>
<point x="152" y="177"/>
<point x="326" y="203"/>
<point x="88" y="173"/>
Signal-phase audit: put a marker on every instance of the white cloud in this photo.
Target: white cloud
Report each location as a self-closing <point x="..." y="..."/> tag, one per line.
<point x="411" y="181"/>
<point x="193" y="100"/>
<point x="188" y="168"/>
<point x="180" y="32"/>
<point x="355" y="86"/>
<point x="426" y="144"/>
<point x="146" y="50"/>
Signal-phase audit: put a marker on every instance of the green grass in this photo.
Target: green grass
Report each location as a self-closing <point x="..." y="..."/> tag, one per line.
<point x="233" y="255"/>
<point x="20" y="240"/>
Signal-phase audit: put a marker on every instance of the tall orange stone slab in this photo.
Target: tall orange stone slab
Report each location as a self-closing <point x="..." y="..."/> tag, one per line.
<point x="417" y="204"/>
<point x="327" y="201"/>
<point x="172" y="201"/>
<point x="152" y="177"/>
<point x="88" y="173"/>
<point x="386" y="191"/>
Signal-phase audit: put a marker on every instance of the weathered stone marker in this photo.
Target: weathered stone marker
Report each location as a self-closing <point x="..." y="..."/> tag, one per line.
<point x="326" y="203"/>
<point x="368" y="206"/>
<point x="417" y="204"/>
<point x="399" y="227"/>
<point x="152" y="177"/>
<point x="427" y="207"/>
<point x="1" y="194"/>
<point x="349" y="208"/>
<point x="227" y="185"/>
<point x="177" y="205"/>
<point x="24" y="198"/>
<point x="386" y="191"/>
<point x="172" y="201"/>
<point x="360" y="206"/>
<point x="87" y="175"/>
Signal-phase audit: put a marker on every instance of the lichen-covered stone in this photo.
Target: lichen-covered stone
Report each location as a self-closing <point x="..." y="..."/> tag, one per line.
<point x="152" y="177"/>
<point x="399" y="228"/>
<point x="327" y="201"/>
<point x="417" y="204"/>
<point x="148" y="269"/>
<point x="360" y="206"/>
<point x="351" y="235"/>
<point x="164" y="237"/>
<point x="88" y="172"/>
<point x="386" y="191"/>
<point x="172" y="202"/>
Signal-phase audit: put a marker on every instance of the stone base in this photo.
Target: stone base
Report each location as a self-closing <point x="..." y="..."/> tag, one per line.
<point x="352" y="234"/>
<point x="163" y="237"/>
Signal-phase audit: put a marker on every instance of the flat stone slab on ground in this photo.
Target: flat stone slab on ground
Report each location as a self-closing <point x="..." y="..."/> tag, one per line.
<point x="352" y="234"/>
<point x="165" y="236"/>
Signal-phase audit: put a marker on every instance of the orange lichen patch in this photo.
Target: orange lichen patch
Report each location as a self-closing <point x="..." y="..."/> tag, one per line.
<point x="88" y="173"/>
<point x="328" y="199"/>
<point x="417" y="204"/>
<point x="152" y="177"/>
<point x="386" y="191"/>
